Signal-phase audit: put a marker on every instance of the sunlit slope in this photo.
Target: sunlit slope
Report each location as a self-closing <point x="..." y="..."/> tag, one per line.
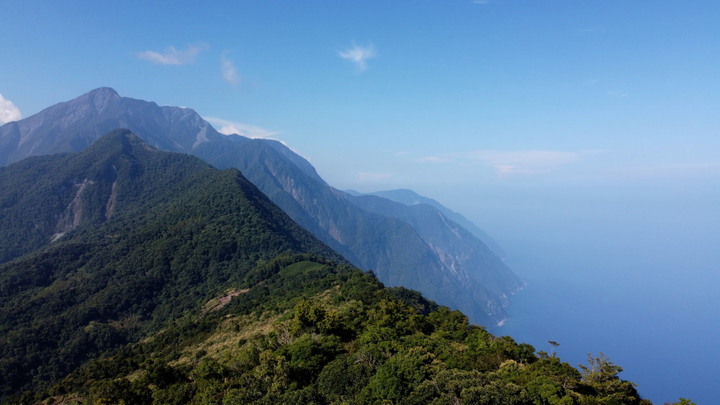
<point x="315" y="332"/>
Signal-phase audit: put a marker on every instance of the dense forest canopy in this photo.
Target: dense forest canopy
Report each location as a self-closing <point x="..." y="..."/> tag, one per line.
<point x="315" y="331"/>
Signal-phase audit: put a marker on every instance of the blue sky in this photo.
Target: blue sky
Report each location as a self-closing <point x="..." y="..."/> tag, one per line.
<point x="583" y="135"/>
<point x="381" y="94"/>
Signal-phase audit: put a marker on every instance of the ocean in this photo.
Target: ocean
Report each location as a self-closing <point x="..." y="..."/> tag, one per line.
<point x="633" y="273"/>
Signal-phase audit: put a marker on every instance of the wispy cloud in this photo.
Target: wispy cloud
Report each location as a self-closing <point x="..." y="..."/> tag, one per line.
<point x="508" y="163"/>
<point x="358" y="55"/>
<point x="173" y="56"/>
<point x="512" y="163"/>
<point x="483" y="2"/>
<point x="8" y="111"/>
<point x="231" y="127"/>
<point x="229" y="72"/>
<point x="433" y="159"/>
<point x="677" y="170"/>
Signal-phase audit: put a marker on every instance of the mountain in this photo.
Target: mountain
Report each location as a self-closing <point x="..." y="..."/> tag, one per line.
<point x="72" y="126"/>
<point x="124" y="238"/>
<point x="157" y="279"/>
<point x="396" y="251"/>
<point x="456" y="247"/>
<point x="409" y="197"/>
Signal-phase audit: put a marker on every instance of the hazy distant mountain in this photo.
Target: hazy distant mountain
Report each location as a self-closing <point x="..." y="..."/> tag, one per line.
<point x="124" y="238"/>
<point x="390" y="246"/>
<point x="409" y="197"/>
<point x="471" y="261"/>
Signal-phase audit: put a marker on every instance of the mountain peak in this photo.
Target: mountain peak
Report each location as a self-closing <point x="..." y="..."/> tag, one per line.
<point x="120" y="139"/>
<point x="99" y="98"/>
<point x="103" y="92"/>
<point x="73" y="125"/>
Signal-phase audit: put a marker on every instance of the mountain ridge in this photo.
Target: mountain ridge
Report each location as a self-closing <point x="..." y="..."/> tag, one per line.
<point x="390" y="247"/>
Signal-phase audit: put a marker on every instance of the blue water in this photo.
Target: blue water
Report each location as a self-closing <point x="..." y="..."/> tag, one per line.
<point x="636" y="277"/>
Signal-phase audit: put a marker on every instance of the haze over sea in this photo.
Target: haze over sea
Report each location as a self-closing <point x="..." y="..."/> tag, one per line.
<point x="631" y="271"/>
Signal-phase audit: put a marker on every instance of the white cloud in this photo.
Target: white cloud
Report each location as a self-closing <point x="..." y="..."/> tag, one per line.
<point x="481" y="2"/>
<point x="433" y="159"/>
<point x="172" y="56"/>
<point x="229" y="72"/>
<point x="231" y="127"/>
<point x="8" y="111"/>
<point x="524" y="162"/>
<point x="359" y="55"/>
<point x="511" y="163"/>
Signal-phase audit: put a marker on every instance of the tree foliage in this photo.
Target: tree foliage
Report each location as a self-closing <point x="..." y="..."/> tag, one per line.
<point x="317" y="331"/>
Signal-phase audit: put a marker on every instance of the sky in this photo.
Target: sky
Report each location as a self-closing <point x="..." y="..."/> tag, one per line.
<point x="572" y="131"/>
<point x="384" y="94"/>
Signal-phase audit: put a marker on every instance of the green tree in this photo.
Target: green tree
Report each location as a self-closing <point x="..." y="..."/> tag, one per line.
<point x="602" y="376"/>
<point x="682" y="401"/>
<point x="401" y="374"/>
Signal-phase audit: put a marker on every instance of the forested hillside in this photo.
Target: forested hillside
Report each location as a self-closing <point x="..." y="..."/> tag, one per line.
<point x="305" y="330"/>
<point x="124" y="239"/>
